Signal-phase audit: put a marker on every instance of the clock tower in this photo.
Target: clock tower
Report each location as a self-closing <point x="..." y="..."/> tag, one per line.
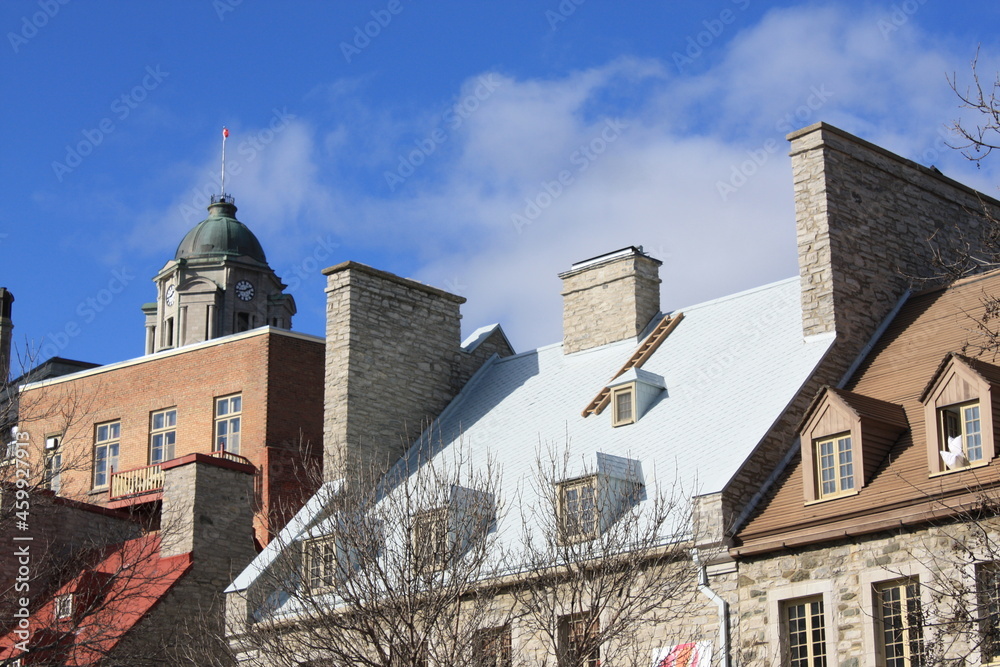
<point x="218" y="283"/>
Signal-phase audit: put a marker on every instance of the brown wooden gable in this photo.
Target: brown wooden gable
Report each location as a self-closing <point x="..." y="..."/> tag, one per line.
<point x="960" y="379"/>
<point x="902" y="489"/>
<point x="874" y="426"/>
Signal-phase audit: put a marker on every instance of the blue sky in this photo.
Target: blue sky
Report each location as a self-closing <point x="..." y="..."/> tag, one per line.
<point x="478" y="147"/>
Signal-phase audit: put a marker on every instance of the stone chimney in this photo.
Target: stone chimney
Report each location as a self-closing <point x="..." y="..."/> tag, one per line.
<point x="609" y="298"/>
<point x="868" y="225"/>
<point x="393" y="360"/>
<point x="6" y="333"/>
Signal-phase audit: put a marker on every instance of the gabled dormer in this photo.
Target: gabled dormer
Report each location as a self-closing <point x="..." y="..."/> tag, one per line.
<point x="959" y="402"/>
<point x="632" y="394"/>
<point x="845" y="437"/>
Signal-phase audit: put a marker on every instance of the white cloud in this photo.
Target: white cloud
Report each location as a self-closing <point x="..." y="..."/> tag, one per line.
<point x="652" y="178"/>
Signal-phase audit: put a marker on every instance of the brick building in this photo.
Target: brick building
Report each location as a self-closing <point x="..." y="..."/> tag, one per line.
<point x="173" y="468"/>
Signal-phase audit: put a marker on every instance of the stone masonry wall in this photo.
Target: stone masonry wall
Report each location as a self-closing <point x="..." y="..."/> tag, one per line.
<point x="207" y="511"/>
<point x="845" y="573"/>
<point x="610" y="301"/>
<point x="391" y="365"/>
<point x="864" y="219"/>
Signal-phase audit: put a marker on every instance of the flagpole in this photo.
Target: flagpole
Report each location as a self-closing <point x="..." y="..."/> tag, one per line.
<point x="225" y="133"/>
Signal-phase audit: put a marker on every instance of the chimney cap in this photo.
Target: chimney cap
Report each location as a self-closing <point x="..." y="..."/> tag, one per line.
<point x="628" y="251"/>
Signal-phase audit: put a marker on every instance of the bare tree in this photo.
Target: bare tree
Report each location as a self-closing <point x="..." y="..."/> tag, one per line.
<point x="431" y="567"/>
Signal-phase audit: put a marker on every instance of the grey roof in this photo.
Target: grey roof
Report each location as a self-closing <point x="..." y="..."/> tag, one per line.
<point x="729" y="369"/>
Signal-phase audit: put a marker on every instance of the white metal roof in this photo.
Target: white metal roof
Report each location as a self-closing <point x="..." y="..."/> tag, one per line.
<point x="729" y="369"/>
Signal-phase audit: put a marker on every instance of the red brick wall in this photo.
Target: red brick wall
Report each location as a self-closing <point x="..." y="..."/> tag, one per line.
<point x="189" y="380"/>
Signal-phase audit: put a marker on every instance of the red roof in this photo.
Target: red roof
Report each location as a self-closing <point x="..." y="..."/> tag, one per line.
<point x="107" y="600"/>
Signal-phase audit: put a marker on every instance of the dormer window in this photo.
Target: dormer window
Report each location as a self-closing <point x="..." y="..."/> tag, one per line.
<point x="958" y="414"/>
<point x="845" y="436"/>
<point x="432" y="540"/>
<point x="589" y="504"/>
<point x="835" y="458"/>
<point x="445" y="533"/>
<point x="578" y="509"/>
<point x="631" y="395"/>
<point x="961" y="435"/>
<point x="623" y="405"/>
<point x="321" y="563"/>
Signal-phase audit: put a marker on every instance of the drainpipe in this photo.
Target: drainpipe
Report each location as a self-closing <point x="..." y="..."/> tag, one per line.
<point x="720" y="603"/>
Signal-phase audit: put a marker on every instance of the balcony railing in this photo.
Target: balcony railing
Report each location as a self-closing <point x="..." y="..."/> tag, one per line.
<point x="136" y="482"/>
<point x="229" y="456"/>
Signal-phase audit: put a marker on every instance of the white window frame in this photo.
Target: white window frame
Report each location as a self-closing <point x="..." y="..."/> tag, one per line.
<point x="629" y="416"/>
<point x="63" y="606"/>
<point x="228" y="412"/>
<point x="164" y="436"/>
<point x="107" y="447"/>
<point x="320" y="562"/>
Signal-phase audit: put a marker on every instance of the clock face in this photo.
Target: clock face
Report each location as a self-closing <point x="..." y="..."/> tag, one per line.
<point x="171" y="295"/>
<point x="244" y="290"/>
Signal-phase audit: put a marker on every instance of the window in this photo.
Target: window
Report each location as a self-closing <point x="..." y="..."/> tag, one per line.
<point x="493" y="647"/>
<point x="106" y="441"/>
<point x="900" y="627"/>
<point x="162" y="435"/>
<point x="432" y="544"/>
<point x="53" y="467"/>
<point x="806" y="633"/>
<point x="578" y="516"/>
<point x="168" y="332"/>
<point x="579" y="640"/>
<point x="623" y="405"/>
<point x="845" y="439"/>
<point x="9" y="453"/>
<point x="961" y="435"/>
<point x="835" y="465"/>
<point x="321" y="563"/>
<point x="228" y="411"/>
<point x="988" y="591"/>
<point x="242" y="322"/>
<point x="64" y="606"/>
<point x="959" y="403"/>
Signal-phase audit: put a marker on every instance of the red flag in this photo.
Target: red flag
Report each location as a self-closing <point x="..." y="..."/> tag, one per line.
<point x="225" y="132"/>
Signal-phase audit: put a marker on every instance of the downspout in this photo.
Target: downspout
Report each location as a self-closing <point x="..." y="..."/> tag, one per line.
<point x="723" y="606"/>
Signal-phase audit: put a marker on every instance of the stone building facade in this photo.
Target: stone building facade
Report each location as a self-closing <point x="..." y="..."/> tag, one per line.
<point x="870" y="226"/>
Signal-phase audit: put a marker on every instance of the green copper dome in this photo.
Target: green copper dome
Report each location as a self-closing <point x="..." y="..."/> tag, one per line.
<point x="220" y="234"/>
